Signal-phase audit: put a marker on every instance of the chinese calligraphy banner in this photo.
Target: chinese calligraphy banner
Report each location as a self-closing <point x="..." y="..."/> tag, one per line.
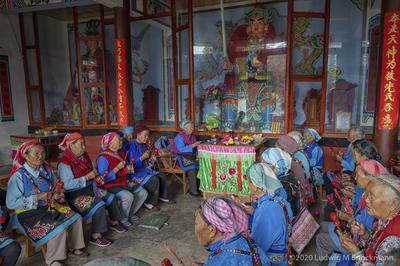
<point x="6" y="108"/>
<point x="121" y="81"/>
<point x="388" y="117"/>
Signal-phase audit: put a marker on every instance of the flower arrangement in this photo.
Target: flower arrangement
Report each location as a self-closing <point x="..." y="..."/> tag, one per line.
<point x="214" y="92"/>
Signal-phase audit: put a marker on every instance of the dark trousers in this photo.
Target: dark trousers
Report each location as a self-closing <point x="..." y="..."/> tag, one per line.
<point x="99" y="221"/>
<point x="114" y="210"/>
<point x="156" y="186"/>
<point x="10" y="254"/>
<point x="193" y="181"/>
<point x="328" y="184"/>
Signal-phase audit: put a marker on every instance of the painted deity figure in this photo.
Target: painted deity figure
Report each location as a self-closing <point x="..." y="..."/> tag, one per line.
<point x="248" y="79"/>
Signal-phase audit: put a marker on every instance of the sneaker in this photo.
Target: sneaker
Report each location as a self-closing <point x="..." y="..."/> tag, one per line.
<point x="118" y="228"/>
<point x="167" y="201"/>
<point x="148" y="206"/>
<point x="126" y="224"/>
<point x="100" y="241"/>
<point x="134" y="219"/>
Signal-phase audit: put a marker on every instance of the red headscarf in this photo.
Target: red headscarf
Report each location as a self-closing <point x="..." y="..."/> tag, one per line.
<point x="19" y="157"/>
<point x="68" y="139"/>
<point x="372" y="167"/>
<point x="107" y="138"/>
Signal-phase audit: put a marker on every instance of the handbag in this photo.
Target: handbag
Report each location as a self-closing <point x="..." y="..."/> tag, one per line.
<point x="303" y="229"/>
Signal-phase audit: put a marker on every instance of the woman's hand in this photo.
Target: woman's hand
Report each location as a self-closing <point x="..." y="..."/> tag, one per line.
<point x="359" y="229"/>
<point x="43" y="196"/>
<point x="119" y="166"/>
<point x="347" y="243"/>
<point x="145" y="155"/>
<point x="342" y="215"/>
<point x="339" y="156"/>
<point x="197" y="143"/>
<point x="91" y="175"/>
<point x="246" y="207"/>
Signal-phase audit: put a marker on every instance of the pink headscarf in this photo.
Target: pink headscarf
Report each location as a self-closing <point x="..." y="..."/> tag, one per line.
<point x="107" y="138"/>
<point x="372" y="167"/>
<point x="19" y="156"/>
<point x="68" y="139"/>
<point x="288" y="143"/>
<point x="228" y="218"/>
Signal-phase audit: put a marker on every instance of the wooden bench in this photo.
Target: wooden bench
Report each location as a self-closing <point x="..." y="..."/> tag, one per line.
<point x="175" y="170"/>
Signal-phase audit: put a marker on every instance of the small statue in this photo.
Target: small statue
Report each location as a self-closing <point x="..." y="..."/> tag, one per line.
<point x="112" y="115"/>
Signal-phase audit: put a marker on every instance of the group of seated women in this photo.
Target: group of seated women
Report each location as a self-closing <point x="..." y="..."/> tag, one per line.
<point x="363" y="196"/>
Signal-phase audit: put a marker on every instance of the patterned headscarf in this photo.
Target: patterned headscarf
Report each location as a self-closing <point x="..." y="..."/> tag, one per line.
<point x="313" y="133"/>
<point x="262" y="176"/>
<point x="372" y="167"/>
<point x="288" y="144"/>
<point x="68" y="139"/>
<point x="19" y="156"/>
<point x="298" y="137"/>
<point x="226" y="216"/>
<point x="106" y="140"/>
<point x="278" y="158"/>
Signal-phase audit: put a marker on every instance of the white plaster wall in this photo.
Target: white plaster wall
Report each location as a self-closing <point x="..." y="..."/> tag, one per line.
<point x="10" y="45"/>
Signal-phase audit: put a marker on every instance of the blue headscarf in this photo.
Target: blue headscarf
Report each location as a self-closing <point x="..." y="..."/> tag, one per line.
<point x="128" y="130"/>
<point x="313" y="133"/>
<point x="278" y="158"/>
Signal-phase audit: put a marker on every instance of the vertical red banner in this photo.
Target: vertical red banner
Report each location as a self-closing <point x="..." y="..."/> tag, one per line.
<point x="120" y="64"/>
<point x="6" y="107"/>
<point x="388" y="115"/>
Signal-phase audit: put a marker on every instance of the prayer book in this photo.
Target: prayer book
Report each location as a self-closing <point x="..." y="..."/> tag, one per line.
<point x="154" y="221"/>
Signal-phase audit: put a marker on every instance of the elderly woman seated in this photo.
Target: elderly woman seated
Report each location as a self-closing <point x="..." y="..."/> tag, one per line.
<point x="347" y="162"/>
<point x="383" y="203"/>
<point x="281" y="162"/>
<point x="315" y="154"/>
<point x="139" y="155"/>
<point x="300" y="166"/>
<point x="184" y="148"/>
<point x="112" y="166"/>
<point x="272" y="215"/>
<point x="327" y="240"/>
<point x="80" y="183"/>
<point x="221" y="226"/>
<point x="36" y="196"/>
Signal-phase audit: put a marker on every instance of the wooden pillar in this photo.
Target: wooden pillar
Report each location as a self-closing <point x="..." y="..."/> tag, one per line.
<point x="387" y="107"/>
<point x="122" y="32"/>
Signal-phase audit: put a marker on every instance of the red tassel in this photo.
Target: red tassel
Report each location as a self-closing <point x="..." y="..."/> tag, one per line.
<point x="213" y="173"/>
<point x="239" y="169"/>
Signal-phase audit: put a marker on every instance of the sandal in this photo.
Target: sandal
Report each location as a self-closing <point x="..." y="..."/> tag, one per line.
<point x="78" y="253"/>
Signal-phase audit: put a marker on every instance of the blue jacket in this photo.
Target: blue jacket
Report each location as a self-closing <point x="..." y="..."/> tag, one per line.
<point x="222" y="254"/>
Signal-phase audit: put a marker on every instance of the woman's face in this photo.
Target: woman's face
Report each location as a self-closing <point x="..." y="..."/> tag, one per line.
<point x="116" y="143"/>
<point x="143" y="136"/>
<point x="377" y="205"/>
<point x="189" y="128"/>
<point x="361" y="178"/>
<point x="35" y="156"/>
<point x="78" y="147"/>
<point x="357" y="156"/>
<point x="202" y="230"/>
<point x="308" y="138"/>
<point x="253" y="189"/>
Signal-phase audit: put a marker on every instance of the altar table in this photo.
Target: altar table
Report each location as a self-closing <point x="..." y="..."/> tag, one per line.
<point x="222" y="169"/>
